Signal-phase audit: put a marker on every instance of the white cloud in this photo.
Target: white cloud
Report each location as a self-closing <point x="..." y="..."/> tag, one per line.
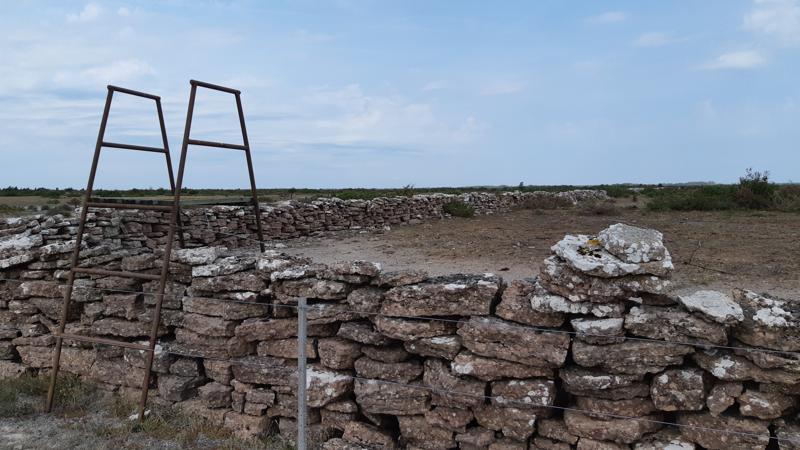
<point x="89" y="13"/>
<point x="778" y="19"/>
<point x="123" y="11"/>
<point x="608" y="17"/>
<point x="655" y="39"/>
<point x="745" y="59"/>
<point x="435" y="85"/>
<point x="503" y="88"/>
<point x="116" y="72"/>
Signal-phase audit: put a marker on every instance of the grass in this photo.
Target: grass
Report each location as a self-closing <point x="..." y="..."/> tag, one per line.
<point x="457" y="208"/>
<point x="25" y="396"/>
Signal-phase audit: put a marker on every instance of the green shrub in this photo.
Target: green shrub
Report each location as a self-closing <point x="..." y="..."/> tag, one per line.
<point x="598" y="208"/>
<point x="702" y="198"/>
<point x="755" y="191"/>
<point x="457" y="208"/>
<point x="548" y="202"/>
<point x="787" y="198"/>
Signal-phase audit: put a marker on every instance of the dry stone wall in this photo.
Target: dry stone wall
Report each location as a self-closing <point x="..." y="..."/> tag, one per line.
<point x="593" y="353"/>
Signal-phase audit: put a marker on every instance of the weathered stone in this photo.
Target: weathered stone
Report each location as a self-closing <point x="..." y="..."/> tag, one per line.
<point x="665" y="439"/>
<point x="263" y="396"/>
<point x="267" y="329"/>
<point x="604" y="409"/>
<point x="452" y="419"/>
<point x="450" y="390"/>
<point x="633" y="244"/>
<point x="633" y="357"/>
<point x="400" y="278"/>
<point x="556" y="429"/>
<point x="389" y="354"/>
<point x="672" y="324"/>
<point x="418" y="433"/>
<point x="443" y="296"/>
<point x="789" y="435"/>
<point x="410" y="329"/>
<point x="378" y="397"/>
<point x="341" y="444"/>
<point x="764" y="405"/>
<point x="362" y="332"/>
<point x="529" y="393"/>
<point x="729" y="367"/>
<point x="714" y="305"/>
<point x="323" y="313"/>
<point x="136" y="263"/>
<point x="265" y="370"/>
<point x="197" y="256"/>
<point x="610" y="429"/>
<point x="177" y="388"/>
<point x="438" y="346"/>
<point x="225" y="309"/>
<point x="209" y="326"/>
<point x="196" y="408"/>
<point x="7" y="350"/>
<point x="338" y="353"/>
<point x="223" y="266"/>
<point x="215" y="395"/>
<point x="748" y="433"/>
<point x="545" y="302"/>
<point x="540" y="443"/>
<point x="325" y="385"/>
<point x="285" y="348"/>
<point x="368" y="435"/>
<point x="185" y="367"/>
<point x="516" y="423"/>
<point x="123" y="328"/>
<point x="242" y="281"/>
<point x="311" y="288"/>
<point x="586" y="254"/>
<point x="559" y="278"/>
<point x="592" y="444"/>
<point x="722" y="396"/>
<point x="219" y="371"/>
<point x="475" y="438"/>
<point x="768" y="321"/>
<point x="48" y="289"/>
<point x="366" y="299"/>
<point x="679" y="390"/>
<point x="598" y="331"/>
<point x="584" y="382"/>
<point x="245" y="426"/>
<point x="505" y="443"/>
<point x="490" y="369"/>
<point x="126" y="306"/>
<point x="400" y="372"/>
<point x="516" y="306"/>
<point x="500" y="339"/>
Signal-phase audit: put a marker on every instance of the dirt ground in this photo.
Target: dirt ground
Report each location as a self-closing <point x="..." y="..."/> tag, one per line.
<point x="721" y="250"/>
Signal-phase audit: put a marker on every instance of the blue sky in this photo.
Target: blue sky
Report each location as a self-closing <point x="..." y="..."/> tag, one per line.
<point x="384" y="94"/>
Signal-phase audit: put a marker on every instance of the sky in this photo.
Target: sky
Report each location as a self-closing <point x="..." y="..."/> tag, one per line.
<point x="354" y="93"/>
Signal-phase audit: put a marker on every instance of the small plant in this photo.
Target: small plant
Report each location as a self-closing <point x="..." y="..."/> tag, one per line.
<point x="457" y="208"/>
<point x="407" y="191"/>
<point x="598" y="208"/>
<point x="755" y="191"/>
<point x="787" y="198"/>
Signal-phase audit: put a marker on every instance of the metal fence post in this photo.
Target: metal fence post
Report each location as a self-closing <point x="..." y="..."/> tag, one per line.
<point x="301" y="373"/>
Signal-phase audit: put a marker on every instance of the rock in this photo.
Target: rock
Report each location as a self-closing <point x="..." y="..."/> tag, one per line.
<point x="449" y="390"/>
<point x="490" y="369"/>
<point x="401" y="372"/>
<point x="789" y="435"/>
<point x="358" y="267"/>
<point x="362" y="332"/>
<point x="585" y="382"/>
<point x="264" y="370"/>
<point x="418" y="433"/>
<point x="438" y="347"/>
<point x="764" y="405"/>
<point x="219" y="371"/>
<point x="625" y="431"/>
<point x="555" y="429"/>
<point x="410" y="329"/>
<point x="245" y="426"/>
<point x="505" y="340"/>
<point x="452" y="419"/>
<point x="378" y="397"/>
<point x="559" y="278"/>
<point x="714" y="305"/>
<point x="679" y="390"/>
<point x="209" y="326"/>
<point x="225" y="309"/>
<point x="325" y="386"/>
<point x="722" y="396"/>
<point x="389" y="354"/>
<point x="338" y="353"/>
<point x="185" y="367"/>
<point x="241" y="281"/>
<point x="666" y="439"/>
<point x="515" y="306"/>
<point x="123" y="328"/>
<point x="368" y="435"/>
<point x="768" y="321"/>
<point x="285" y="348"/>
<point x="697" y="428"/>
<point x="505" y="443"/>
<point x="586" y="254"/>
<point x="196" y="408"/>
<point x="545" y="302"/>
<point x="729" y="367"/>
<point x="177" y="388"/>
<point x="524" y="393"/>
<point x="598" y="331"/>
<point x="400" y="278"/>
<point x="197" y="256"/>
<point x="215" y="395"/>
<point x="592" y="444"/>
<point x="267" y="329"/>
<point x="604" y="409"/>
<point x="260" y="395"/>
<point x="443" y="296"/>
<point x="633" y="244"/>
<point x="540" y="443"/>
<point x="311" y="288"/>
<point x="366" y="299"/>
<point x="475" y="438"/>
<point x="223" y="266"/>
<point x="516" y="423"/>
<point x="673" y="324"/>
<point x="633" y="357"/>
<point x="341" y="444"/>
<point x="9" y="370"/>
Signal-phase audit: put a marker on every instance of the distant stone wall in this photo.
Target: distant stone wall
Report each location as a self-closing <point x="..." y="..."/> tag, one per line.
<point x="234" y="226"/>
<point x="591" y="354"/>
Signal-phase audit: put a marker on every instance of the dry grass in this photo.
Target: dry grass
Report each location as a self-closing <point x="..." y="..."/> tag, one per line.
<point x="25" y="396"/>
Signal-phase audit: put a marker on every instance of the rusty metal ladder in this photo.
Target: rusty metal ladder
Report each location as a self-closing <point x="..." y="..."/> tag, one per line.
<point x="91" y="202"/>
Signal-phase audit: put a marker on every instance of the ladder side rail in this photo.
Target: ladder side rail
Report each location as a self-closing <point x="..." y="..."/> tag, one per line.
<point x="246" y="141"/>
<point x="76" y="252"/>
<point x="169" y="167"/>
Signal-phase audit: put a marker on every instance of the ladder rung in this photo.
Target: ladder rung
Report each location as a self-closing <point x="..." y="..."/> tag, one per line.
<point x="217" y="144"/>
<point x="132" y="92"/>
<point x="116" y="273"/>
<point x="97" y="340"/>
<point x="96" y="204"/>
<point x="140" y="148"/>
<point x="216" y="87"/>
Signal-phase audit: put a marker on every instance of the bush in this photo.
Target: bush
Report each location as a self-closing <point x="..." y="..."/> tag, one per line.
<point x="755" y="191"/>
<point x="787" y="198"/>
<point x="703" y="198"/>
<point x="598" y="208"/>
<point x="546" y="202"/>
<point x="457" y="208"/>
